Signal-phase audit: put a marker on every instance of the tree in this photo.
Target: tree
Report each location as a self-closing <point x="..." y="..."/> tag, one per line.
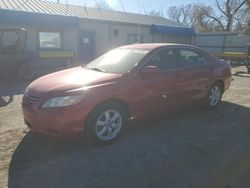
<point x="181" y="14"/>
<point x="242" y="19"/>
<point x="224" y="13"/>
<point x="155" y="13"/>
<point x="192" y="16"/>
<point x="103" y="5"/>
<point x="200" y="21"/>
<point x="248" y="4"/>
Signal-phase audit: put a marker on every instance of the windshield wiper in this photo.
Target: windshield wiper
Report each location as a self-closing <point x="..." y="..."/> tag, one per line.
<point x="96" y="69"/>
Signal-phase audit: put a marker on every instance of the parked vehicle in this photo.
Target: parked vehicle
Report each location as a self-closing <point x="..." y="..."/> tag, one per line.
<point x="14" y="58"/>
<point x="131" y="82"/>
<point x="231" y="46"/>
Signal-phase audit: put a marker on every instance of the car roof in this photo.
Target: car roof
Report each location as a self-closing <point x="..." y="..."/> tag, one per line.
<point x="153" y="46"/>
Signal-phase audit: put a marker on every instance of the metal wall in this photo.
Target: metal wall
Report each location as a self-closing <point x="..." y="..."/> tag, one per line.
<point x="223" y="42"/>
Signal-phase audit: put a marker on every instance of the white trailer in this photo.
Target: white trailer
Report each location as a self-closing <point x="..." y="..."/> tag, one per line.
<point x="230" y="46"/>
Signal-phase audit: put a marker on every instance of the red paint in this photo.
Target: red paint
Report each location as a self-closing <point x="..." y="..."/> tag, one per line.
<point x="146" y="93"/>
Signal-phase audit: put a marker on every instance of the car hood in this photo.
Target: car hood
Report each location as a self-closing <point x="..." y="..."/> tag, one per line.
<point x="70" y="79"/>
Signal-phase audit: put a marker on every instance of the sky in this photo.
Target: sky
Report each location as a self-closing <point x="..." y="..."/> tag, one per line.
<point x="136" y="6"/>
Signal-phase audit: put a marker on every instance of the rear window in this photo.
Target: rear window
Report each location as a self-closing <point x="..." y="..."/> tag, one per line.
<point x="190" y="58"/>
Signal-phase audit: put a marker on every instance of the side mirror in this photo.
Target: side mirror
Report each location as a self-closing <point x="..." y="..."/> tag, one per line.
<point x="150" y="70"/>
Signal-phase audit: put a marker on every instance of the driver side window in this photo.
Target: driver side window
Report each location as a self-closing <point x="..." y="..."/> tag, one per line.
<point x="165" y="60"/>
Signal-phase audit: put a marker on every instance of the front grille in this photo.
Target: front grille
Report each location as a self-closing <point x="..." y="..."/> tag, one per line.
<point x="29" y="100"/>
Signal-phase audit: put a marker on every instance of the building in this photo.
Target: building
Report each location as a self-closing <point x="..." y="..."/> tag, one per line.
<point x="55" y="29"/>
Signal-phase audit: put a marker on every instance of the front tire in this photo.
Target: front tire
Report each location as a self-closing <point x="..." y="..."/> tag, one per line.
<point x="106" y="123"/>
<point x="26" y="72"/>
<point x="214" y="95"/>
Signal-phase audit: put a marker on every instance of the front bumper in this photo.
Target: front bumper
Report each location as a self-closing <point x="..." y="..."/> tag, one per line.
<point x="64" y="121"/>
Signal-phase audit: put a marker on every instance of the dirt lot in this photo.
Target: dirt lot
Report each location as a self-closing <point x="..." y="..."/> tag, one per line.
<point x="194" y="147"/>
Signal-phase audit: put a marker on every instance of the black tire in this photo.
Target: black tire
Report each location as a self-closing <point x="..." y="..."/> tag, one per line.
<point x="212" y="99"/>
<point x="91" y="124"/>
<point x="26" y="72"/>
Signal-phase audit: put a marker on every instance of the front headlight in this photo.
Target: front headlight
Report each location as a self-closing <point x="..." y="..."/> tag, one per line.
<point x="61" y="101"/>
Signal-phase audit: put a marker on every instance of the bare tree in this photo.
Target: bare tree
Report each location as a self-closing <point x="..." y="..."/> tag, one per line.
<point x="248" y="4"/>
<point x="181" y="14"/>
<point x="200" y="21"/>
<point x="242" y="19"/>
<point x="155" y="13"/>
<point x="192" y="16"/>
<point x="103" y="5"/>
<point x="224" y="13"/>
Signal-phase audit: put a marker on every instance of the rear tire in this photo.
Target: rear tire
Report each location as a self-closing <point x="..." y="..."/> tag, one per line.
<point x="106" y="123"/>
<point x="26" y="72"/>
<point x="214" y="95"/>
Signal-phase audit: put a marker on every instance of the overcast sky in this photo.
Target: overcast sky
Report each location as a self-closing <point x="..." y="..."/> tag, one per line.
<point x="136" y="6"/>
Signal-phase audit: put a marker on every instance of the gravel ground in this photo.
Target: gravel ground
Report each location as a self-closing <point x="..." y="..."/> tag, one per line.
<point x="194" y="147"/>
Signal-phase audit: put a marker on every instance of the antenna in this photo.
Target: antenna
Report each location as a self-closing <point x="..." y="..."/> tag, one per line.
<point x="145" y="11"/>
<point x="122" y="6"/>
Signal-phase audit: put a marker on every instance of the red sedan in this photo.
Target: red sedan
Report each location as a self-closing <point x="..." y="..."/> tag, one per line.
<point x="130" y="82"/>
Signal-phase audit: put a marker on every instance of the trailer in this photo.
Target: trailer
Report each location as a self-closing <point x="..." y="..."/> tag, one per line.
<point x="14" y="58"/>
<point x="17" y="61"/>
<point x="230" y="46"/>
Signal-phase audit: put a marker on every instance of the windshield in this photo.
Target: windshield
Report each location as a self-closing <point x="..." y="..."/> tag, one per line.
<point x="118" y="61"/>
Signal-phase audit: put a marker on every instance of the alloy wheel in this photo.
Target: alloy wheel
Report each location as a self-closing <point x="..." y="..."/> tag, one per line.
<point x="214" y="95"/>
<point x="108" y="125"/>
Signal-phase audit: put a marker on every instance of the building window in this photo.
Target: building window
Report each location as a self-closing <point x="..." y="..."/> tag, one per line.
<point x="116" y="32"/>
<point x="51" y="40"/>
<point x="134" y="38"/>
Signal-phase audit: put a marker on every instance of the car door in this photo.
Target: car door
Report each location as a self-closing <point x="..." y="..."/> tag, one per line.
<point x="195" y="74"/>
<point x="159" y="90"/>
